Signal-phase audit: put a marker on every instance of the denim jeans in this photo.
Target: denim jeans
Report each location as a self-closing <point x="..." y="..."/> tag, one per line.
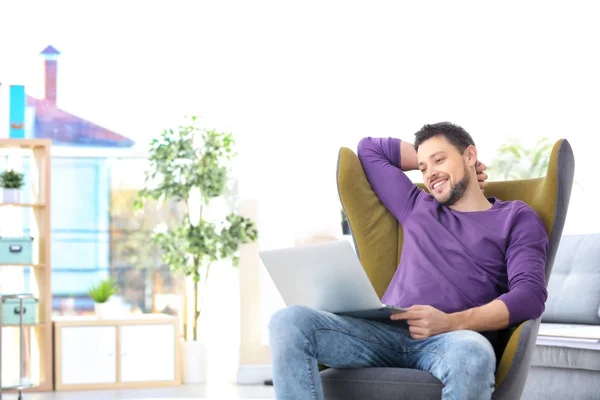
<point x="301" y="338"/>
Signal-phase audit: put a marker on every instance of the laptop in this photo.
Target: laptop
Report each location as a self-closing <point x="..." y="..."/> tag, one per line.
<point x="325" y="276"/>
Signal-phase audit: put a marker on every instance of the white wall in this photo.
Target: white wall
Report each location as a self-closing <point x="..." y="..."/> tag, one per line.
<point x="296" y="82"/>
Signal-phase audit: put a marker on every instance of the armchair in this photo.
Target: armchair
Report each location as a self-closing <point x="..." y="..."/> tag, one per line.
<point x="378" y="241"/>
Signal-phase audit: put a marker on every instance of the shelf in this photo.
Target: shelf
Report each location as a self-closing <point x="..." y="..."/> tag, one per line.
<point x="20" y="387"/>
<point x="34" y="388"/>
<point x="17" y="296"/>
<point x="39" y="325"/>
<point x="23" y="265"/>
<point x="24" y="143"/>
<point x="38" y="205"/>
<point x="30" y="205"/>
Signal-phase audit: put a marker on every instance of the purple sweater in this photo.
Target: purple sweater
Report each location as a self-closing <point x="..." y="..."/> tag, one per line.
<point x="455" y="260"/>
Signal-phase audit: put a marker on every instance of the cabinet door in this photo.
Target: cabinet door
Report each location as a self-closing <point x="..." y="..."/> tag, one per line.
<point x="88" y="355"/>
<point x="147" y="352"/>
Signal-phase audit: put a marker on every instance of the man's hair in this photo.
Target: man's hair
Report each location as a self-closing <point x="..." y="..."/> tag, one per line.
<point x="455" y="134"/>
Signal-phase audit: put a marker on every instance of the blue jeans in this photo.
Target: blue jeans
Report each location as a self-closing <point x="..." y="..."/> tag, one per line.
<point x="301" y="338"/>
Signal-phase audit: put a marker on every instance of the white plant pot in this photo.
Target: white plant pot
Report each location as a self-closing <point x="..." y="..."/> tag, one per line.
<point x="195" y="362"/>
<point x="102" y="310"/>
<point x="11" y="195"/>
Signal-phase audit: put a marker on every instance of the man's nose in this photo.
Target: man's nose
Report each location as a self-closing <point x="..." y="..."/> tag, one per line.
<point x="431" y="174"/>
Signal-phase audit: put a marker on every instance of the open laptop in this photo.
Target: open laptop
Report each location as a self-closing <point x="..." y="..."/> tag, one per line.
<point x="325" y="276"/>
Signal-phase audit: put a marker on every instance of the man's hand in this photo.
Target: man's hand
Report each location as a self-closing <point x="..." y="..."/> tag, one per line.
<point x="481" y="175"/>
<point x="425" y="321"/>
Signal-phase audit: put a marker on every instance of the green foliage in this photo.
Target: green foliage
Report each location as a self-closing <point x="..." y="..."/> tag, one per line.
<point x="191" y="248"/>
<point x="182" y="162"/>
<point x="187" y="158"/>
<point x="517" y="161"/>
<point x="11" y="179"/>
<point x="103" y="290"/>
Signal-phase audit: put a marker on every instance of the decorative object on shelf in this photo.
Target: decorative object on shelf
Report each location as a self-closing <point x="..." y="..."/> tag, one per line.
<point x="190" y="165"/>
<point x="101" y="293"/>
<point x="345" y="223"/>
<point x="14" y="308"/>
<point x="16" y="250"/>
<point x="11" y="182"/>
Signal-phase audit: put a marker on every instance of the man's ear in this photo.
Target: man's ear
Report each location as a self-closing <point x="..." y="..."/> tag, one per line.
<point x="471" y="155"/>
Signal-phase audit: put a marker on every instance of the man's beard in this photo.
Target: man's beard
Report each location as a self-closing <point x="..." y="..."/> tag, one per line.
<point x="457" y="191"/>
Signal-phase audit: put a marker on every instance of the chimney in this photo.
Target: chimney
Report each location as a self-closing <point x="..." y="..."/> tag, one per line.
<point x="50" y="55"/>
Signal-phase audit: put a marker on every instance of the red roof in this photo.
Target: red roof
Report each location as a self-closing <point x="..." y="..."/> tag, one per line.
<point x="64" y="128"/>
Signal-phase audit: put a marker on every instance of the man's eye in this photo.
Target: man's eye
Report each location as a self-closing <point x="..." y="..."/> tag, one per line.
<point x="439" y="160"/>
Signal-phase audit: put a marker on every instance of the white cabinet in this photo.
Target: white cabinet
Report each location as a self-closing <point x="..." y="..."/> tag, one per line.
<point x="141" y="359"/>
<point x="140" y="351"/>
<point x="88" y="355"/>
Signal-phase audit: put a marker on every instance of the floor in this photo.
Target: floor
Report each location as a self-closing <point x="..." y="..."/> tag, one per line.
<point x="186" y="392"/>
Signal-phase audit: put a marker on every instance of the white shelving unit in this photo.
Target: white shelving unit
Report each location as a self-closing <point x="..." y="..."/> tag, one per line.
<point x="37" y="337"/>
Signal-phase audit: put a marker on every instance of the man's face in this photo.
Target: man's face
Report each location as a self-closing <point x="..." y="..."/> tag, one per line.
<point x="445" y="170"/>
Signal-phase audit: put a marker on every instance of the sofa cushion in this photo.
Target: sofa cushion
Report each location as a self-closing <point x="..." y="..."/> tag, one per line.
<point x="380" y="383"/>
<point x="574" y="285"/>
<point x="566" y="357"/>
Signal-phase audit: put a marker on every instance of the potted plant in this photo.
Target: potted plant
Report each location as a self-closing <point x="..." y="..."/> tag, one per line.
<point x="11" y="182"/>
<point x="191" y="165"/>
<point x="101" y="293"/>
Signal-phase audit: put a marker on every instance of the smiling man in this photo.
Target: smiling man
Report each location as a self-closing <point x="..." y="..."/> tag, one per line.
<point x="470" y="266"/>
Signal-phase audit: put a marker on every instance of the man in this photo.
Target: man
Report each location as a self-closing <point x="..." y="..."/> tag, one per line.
<point x="470" y="266"/>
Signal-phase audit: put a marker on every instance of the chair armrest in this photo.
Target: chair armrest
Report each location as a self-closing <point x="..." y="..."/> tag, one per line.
<point x="513" y="368"/>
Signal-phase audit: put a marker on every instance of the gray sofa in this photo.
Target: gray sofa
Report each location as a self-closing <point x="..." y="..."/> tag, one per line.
<point x="566" y="360"/>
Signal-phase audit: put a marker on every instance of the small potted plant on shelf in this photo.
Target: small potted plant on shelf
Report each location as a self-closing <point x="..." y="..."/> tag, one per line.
<point x="11" y="182"/>
<point x="101" y="293"/>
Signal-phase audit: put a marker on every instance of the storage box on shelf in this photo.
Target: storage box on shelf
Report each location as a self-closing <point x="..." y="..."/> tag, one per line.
<point x="15" y="308"/>
<point x="16" y="250"/>
<point x="18" y="253"/>
<point x="132" y="351"/>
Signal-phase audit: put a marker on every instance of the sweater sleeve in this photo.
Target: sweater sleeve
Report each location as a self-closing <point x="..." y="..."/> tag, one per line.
<point x="526" y="257"/>
<point x="380" y="159"/>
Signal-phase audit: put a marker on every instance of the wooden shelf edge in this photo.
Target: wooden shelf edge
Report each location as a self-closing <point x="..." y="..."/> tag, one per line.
<point x="6" y="143"/>
<point x="136" y="319"/>
<point x="38" y="325"/>
<point x="37" y="387"/>
<point x="115" y="385"/>
<point x="17" y="387"/>
<point x="23" y="265"/>
<point x="23" y="205"/>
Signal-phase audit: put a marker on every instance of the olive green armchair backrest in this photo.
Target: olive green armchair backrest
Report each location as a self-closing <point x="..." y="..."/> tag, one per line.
<point x="378" y="236"/>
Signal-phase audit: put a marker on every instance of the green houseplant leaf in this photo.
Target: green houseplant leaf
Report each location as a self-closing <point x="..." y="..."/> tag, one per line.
<point x="182" y="162"/>
<point x="11" y="179"/>
<point x="103" y="290"/>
